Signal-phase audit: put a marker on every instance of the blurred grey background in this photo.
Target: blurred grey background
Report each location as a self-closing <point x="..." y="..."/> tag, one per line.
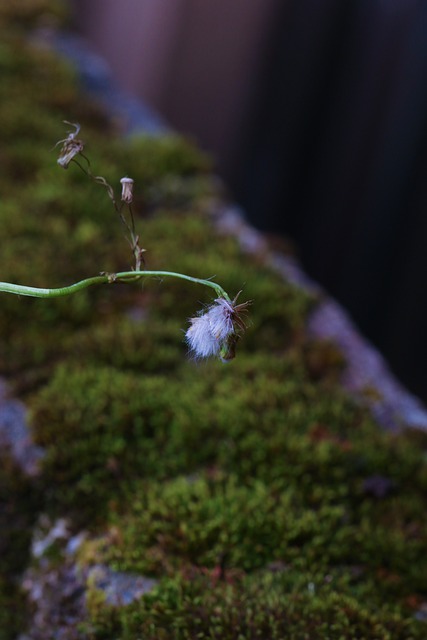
<point x="316" y="114"/>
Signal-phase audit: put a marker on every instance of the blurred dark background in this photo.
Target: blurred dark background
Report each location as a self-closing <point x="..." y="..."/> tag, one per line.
<point x="316" y="113"/>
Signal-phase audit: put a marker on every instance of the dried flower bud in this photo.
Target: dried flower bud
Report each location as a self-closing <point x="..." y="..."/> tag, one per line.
<point x="71" y="147"/>
<point x="68" y="151"/>
<point x="228" y="349"/>
<point x="127" y="190"/>
<point x="217" y="330"/>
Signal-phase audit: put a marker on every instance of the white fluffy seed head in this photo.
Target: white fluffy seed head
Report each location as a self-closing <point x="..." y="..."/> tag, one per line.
<point x="220" y="317"/>
<point x="210" y="332"/>
<point x="200" y="339"/>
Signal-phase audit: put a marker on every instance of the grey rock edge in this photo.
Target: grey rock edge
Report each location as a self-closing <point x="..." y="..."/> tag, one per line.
<point x="393" y="406"/>
<point x="58" y="593"/>
<point x="97" y="81"/>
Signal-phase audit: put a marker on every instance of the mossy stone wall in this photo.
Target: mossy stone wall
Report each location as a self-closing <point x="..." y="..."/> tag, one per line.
<point x="266" y="502"/>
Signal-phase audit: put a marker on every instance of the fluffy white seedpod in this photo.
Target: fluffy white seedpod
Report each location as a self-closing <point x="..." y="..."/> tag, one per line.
<point x="200" y="339"/>
<point x="220" y="316"/>
<point x="213" y="332"/>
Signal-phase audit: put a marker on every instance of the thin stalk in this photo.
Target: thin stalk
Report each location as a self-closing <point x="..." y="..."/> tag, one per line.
<point x="133" y="238"/>
<point x="123" y="276"/>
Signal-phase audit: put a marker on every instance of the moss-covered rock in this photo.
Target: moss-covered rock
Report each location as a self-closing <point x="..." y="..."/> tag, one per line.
<point x="266" y="502"/>
<point x="267" y="604"/>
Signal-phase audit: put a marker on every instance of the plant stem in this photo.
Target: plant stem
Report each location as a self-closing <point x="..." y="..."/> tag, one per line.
<point x="124" y="276"/>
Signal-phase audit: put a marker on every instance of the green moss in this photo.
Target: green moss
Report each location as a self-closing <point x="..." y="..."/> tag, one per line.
<point x="19" y="503"/>
<point x="154" y="161"/>
<point x="155" y="424"/>
<point x="290" y="471"/>
<point x="266" y="605"/>
<point x="216" y="521"/>
<point x="244" y="523"/>
<point x="32" y="13"/>
<point x="13" y="609"/>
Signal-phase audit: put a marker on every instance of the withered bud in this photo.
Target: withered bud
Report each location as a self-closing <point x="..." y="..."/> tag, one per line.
<point x="71" y="146"/>
<point x="127" y="190"/>
<point x="69" y="149"/>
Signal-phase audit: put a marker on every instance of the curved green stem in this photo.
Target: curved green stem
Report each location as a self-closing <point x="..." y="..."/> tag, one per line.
<point x="124" y="276"/>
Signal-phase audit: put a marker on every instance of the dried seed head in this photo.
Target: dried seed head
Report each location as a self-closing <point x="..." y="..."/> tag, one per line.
<point x="217" y="330"/>
<point x="220" y="317"/>
<point x="71" y="146"/>
<point x="127" y="190"/>
<point x="68" y="151"/>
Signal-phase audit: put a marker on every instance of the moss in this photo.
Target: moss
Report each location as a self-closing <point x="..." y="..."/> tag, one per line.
<point x="31" y="13"/>
<point x="19" y="503"/>
<point x="153" y="160"/>
<point x="243" y="523"/>
<point x="19" y="500"/>
<point x="136" y="344"/>
<point x="153" y="424"/>
<point x="266" y="605"/>
<point x="215" y="521"/>
<point x="13" y="609"/>
<point x="282" y="488"/>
